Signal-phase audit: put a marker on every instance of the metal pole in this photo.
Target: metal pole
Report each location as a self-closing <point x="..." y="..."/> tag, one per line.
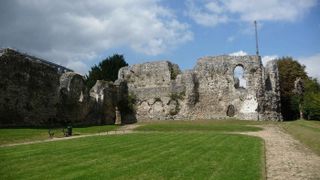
<point x="257" y="46"/>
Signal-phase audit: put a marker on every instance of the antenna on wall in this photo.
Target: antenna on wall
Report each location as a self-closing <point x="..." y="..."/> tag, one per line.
<point x="257" y="46"/>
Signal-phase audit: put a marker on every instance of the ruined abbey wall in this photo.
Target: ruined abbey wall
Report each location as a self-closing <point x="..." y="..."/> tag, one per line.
<point x="209" y="91"/>
<point x="28" y="89"/>
<point x="35" y="92"/>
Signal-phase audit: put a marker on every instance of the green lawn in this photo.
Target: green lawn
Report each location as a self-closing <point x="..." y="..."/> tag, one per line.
<point x="307" y="132"/>
<point x="16" y="135"/>
<point x="201" y="125"/>
<point x="170" y="155"/>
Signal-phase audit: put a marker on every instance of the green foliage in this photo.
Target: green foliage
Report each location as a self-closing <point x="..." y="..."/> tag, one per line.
<point x="128" y="104"/>
<point x="106" y="70"/>
<point x="173" y="71"/>
<point x="289" y="71"/>
<point x="132" y="99"/>
<point x="94" y="74"/>
<point x="311" y="103"/>
<point x="177" y="96"/>
<point x="312" y="106"/>
<point x="173" y="74"/>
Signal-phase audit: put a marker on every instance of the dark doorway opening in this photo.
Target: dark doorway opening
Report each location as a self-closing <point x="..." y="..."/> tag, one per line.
<point x="231" y="111"/>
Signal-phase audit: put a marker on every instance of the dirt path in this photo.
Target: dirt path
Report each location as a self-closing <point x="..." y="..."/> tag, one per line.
<point x="287" y="158"/>
<point x="128" y="127"/>
<point x="125" y="129"/>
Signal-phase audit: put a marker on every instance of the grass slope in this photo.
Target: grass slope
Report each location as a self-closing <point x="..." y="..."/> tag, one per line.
<point x="307" y="132"/>
<point x="174" y="155"/>
<point x="16" y="135"/>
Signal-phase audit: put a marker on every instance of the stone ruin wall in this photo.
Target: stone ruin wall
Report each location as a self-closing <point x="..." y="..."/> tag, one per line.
<point x="27" y="88"/>
<point x="35" y="92"/>
<point x="208" y="91"/>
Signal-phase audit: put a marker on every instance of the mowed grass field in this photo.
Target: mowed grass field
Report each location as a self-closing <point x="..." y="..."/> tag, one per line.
<point x="307" y="132"/>
<point x="201" y="125"/>
<point x="178" y="155"/>
<point x="17" y="135"/>
<point x="166" y="150"/>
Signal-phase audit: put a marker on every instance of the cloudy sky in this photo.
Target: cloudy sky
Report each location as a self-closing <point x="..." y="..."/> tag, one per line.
<point x="80" y="33"/>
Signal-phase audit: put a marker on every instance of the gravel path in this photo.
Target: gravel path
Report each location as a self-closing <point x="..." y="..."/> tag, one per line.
<point x="128" y="127"/>
<point x="287" y="158"/>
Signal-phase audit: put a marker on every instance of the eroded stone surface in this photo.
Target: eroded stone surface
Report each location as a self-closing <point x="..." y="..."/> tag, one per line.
<point x="37" y="92"/>
<point x="205" y="92"/>
<point x="28" y="90"/>
<point x="103" y="102"/>
<point x="73" y="98"/>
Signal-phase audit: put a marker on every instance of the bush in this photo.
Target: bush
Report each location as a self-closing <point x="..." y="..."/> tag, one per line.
<point x="106" y="70"/>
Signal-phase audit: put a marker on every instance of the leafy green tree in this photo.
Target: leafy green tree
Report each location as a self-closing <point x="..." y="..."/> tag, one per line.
<point x="106" y="70"/>
<point x="311" y="103"/>
<point x="289" y="71"/>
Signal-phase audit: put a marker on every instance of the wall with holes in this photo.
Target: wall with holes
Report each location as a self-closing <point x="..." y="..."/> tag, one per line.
<point x="218" y="87"/>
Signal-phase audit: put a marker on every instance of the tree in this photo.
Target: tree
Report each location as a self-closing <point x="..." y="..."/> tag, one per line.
<point x="311" y="103"/>
<point x="106" y="70"/>
<point x="289" y="71"/>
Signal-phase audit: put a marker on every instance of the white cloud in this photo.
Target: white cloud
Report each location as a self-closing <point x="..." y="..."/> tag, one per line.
<point x="238" y="53"/>
<point x="266" y="59"/>
<point x="73" y="32"/>
<point x="77" y="66"/>
<point x="312" y="64"/>
<point x="210" y="13"/>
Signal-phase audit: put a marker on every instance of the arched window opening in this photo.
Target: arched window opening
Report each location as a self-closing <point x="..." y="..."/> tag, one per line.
<point x="239" y="79"/>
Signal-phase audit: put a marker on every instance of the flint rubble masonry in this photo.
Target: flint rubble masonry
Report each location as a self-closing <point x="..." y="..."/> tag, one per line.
<point x="205" y="92"/>
<point x="35" y="92"/>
